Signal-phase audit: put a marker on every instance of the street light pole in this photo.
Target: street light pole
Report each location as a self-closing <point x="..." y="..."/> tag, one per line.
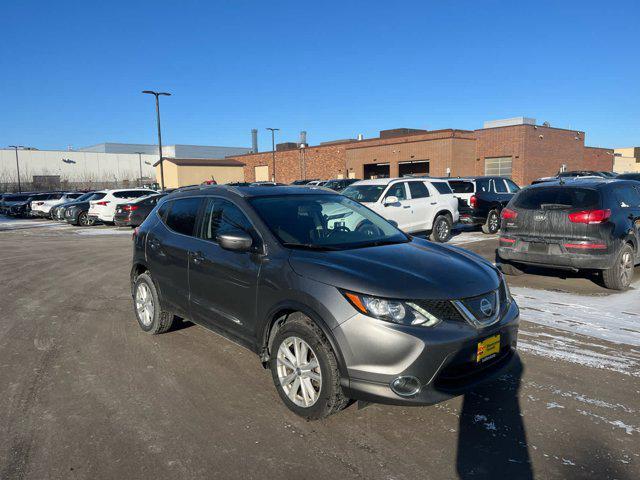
<point x="16" y="147"/>
<point x="140" y="161"/>
<point x="273" y="149"/>
<point x="157" y="95"/>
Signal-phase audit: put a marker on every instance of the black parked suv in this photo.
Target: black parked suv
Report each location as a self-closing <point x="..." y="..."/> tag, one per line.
<point x="577" y="225"/>
<point x="480" y="200"/>
<point x="336" y="313"/>
<point x="77" y="213"/>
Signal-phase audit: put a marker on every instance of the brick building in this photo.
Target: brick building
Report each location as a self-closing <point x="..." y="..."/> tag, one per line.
<point x="516" y="148"/>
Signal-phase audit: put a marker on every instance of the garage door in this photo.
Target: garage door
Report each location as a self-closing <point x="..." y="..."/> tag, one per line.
<point x="376" y="170"/>
<point x="419" y="167"/>
<point x="500" y="166"/>
<point x="262" y="173"/>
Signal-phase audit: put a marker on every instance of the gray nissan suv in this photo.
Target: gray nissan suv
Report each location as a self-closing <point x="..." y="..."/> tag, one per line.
<point x="334" y="299"/>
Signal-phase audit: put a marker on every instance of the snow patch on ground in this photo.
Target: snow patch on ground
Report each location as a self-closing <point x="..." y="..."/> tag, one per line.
<point x="572" y="349"/>
<point x="615" y="317"/>
<point x="104" y="231"/>
<point x="471" y="237"/>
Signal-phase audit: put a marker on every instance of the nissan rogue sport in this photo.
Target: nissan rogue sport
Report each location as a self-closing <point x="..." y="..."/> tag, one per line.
<point x="336" y="313"/>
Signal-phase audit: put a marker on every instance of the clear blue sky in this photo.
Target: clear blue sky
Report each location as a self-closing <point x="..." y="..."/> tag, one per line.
<point x="72" y="72"/>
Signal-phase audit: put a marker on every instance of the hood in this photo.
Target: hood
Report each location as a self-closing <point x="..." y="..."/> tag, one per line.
<point x="415" y="270"/>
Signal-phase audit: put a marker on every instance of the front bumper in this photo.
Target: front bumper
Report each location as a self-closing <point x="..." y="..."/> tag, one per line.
<point x="442" y="358"/>
<point x="558" y="257"/>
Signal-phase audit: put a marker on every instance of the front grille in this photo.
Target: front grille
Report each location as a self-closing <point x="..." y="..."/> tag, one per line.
<point x="442" y="309"/>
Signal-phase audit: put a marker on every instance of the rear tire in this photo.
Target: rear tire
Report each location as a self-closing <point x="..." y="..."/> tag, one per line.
<point x="83" y="219"/>
<point x="619" y="276"/>
<point x="492" y="224"/>
<point x="441" y="229"/>
<point x="148" y="309"/>
<point x="327" y="395"/>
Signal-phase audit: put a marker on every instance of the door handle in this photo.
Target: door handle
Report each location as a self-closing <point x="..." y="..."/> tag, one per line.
<point x="406" y="206"/>
<point x="197" y="257"/>
<point x="434" y="203"/>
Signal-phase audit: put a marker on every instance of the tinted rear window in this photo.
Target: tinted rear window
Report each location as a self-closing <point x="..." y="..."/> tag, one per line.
<point x="182" y="215"/>
<point x="459" y="186"/>
<point x="442" y="187"/>
<point x="557" y="198"/>
<point x="418" y="190"/>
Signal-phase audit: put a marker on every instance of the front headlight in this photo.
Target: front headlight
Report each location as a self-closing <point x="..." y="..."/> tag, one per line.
<point x="396" y="311"/>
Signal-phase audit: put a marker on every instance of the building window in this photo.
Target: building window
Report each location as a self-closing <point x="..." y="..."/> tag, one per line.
<point x="498" y="166"/>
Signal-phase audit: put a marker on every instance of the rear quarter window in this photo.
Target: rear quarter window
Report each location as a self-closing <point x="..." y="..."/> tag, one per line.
<point x="442" y="187"/>
<point x="460" y="186"/>
<point x="557" y="198"/>
<point x="418" y="190"/>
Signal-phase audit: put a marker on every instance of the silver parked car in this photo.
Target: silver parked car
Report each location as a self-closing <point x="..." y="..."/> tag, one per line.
<point x="336" y="312"/>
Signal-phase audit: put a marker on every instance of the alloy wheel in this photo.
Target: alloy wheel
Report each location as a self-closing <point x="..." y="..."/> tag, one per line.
<point x="442" y="229"/>
<point x="493" y="223"/>
<point x="144" y="304"/>
<point x="626" y="267"/>
<point x="299" y="372"/>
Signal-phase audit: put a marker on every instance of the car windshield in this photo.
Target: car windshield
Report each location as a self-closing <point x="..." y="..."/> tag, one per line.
<point x="364" y="193"/>
<point x="324" y="222"/>
<point x="460" y="186"/>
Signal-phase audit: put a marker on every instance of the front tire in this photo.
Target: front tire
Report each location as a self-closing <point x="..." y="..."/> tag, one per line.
<point x="305" y="370"/>
<point x="619" y="276"/>
<point x="84" y="220"/>
<point x="441" y="229"/>
<point x="146" y="302"/>
<point x="492" y="224"/>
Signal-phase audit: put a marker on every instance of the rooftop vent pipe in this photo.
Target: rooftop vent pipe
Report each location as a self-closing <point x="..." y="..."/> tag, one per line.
<point x="254" y="140"/>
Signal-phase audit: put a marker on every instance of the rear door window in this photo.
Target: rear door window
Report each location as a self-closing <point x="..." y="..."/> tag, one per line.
<point x="418" y="190"/>
<point x="557" y="198"/>
<point x="499" y="186"/>
<point x="182" y="215"/>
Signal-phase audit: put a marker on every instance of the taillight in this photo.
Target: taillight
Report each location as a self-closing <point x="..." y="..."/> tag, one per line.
<point x="508" y="214"/>
<point x="103" y="203"/>
<point x="590" y="216"/>
<point x="585" y="246"/>
<point x="473" y="201"/>
<point x="130" y="208"/>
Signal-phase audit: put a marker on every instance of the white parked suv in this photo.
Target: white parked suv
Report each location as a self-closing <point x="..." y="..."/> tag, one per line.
<point x="42" y="208"/>
<point x="415" y="204"/>
<point x="105" y="208"/>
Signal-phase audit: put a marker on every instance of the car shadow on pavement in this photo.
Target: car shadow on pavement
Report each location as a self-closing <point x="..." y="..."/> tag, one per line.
<point x="492" y="441"/>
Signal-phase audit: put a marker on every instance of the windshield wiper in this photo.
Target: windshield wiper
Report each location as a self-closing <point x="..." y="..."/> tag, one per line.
<point x="309" y="246"/>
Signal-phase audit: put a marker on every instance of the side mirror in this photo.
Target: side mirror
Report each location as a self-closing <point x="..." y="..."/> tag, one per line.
<point x="238" y="241"/>
<point x="393" y="222"/>
<point x="390" y="200"/>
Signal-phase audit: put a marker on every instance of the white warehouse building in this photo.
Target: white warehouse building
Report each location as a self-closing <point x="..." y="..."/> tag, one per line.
<point x="106" y="165"/>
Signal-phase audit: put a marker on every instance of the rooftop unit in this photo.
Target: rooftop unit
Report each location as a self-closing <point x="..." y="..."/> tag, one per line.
<point x="508" y="122"/>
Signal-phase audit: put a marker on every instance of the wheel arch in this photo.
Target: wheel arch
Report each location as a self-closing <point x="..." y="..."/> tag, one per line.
<point x="278" y="315"/>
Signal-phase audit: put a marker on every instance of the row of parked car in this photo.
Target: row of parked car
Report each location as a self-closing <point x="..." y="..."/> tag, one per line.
<point x="122" y="207"/>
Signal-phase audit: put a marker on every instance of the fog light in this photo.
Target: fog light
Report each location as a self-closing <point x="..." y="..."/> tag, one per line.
<point x="406" y="386"/>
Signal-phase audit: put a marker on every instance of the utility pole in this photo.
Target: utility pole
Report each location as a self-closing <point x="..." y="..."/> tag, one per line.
<point x="16" y="147"/>
<point x="140" y="161"/>
<point x="157" y="94"/>
<point x="273" y="149"/>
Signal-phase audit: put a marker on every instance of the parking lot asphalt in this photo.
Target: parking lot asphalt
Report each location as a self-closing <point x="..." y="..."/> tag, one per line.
<point x="88" y="395"/>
